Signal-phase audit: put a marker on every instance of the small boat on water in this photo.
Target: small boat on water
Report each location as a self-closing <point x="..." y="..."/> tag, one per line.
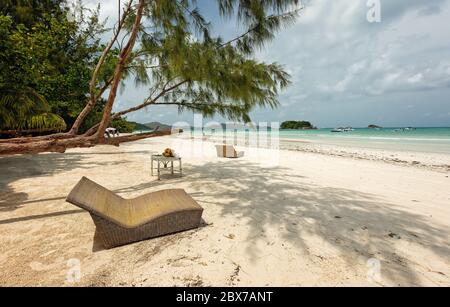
<point x="337" y="130"/>
<point x="404" y="129"/>
<point x="342" y="129"/>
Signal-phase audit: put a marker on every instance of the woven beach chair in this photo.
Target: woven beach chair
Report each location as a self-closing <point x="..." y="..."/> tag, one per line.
<point x="228" y="151"/>
<point x="121" y="221"/>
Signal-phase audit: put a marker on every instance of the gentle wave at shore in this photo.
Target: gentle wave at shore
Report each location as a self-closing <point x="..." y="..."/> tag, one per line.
<point x="433" y="140"/>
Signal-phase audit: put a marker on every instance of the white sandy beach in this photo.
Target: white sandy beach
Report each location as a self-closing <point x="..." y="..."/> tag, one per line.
<point x="423" y="159"/>
<point x="313" y="219"/>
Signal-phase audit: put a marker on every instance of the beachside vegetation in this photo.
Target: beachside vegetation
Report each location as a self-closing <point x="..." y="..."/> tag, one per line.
<point x="46" y="61"/>
<point x="166" y="45"/>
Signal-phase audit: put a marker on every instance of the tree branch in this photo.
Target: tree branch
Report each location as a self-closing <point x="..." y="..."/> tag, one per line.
<point x="146" y="103"/>
<point x="92" y="85"/>
<point x="119" y="71"/>
<point x="256" y="26"/>
<point x="192" y="105"/>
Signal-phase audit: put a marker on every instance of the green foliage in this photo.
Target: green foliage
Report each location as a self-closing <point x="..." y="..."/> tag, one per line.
<point x="46" y="54"/>
<point x="123" y="126"/>
<point x="262" y="19"/>
<point x="43" y="52"/>
<point x="140" y="127"/>
<point x="45" y="121"/>
<point x="27" y="110"/>
<point x="297" y="125"/>
<point x="217" y="77"/>
<point x="31" y="12"/>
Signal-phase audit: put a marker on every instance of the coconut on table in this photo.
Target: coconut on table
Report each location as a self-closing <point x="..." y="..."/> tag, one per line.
<point x="168" y="156"/>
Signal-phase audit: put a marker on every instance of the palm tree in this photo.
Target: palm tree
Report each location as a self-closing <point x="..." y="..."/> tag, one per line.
<point x="25" y="111"/>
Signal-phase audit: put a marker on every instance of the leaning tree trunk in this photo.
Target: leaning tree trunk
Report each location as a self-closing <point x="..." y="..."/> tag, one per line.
<point x="93" y="83"/>
<point x="61" y="145"/>
<point x="124" y="55"/>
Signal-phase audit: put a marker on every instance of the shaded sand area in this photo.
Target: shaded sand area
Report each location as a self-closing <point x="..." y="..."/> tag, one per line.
<point x="312" y="219"/>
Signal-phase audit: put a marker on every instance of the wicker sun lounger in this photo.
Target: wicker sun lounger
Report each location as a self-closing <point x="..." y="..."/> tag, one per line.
<point x="121" y="221"/>
<point x="228" y="151"/>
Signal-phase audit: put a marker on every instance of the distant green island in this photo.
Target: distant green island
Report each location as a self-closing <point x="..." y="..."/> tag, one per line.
<point x="297" y="125"/>
<point x="374" y="127"/>
<point x="150" y="126"/>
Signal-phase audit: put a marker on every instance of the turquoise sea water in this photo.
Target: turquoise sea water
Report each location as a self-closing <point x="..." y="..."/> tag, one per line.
<point x="433" y="140"/>
<point x="420" y="139"/>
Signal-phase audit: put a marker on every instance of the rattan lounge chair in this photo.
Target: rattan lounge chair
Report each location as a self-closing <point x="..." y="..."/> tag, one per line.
<point x="228" y="151"/>
<point x="121" y="221"/>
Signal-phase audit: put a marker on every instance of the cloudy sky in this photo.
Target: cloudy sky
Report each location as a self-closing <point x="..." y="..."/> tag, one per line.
<point x="345" y="70"/>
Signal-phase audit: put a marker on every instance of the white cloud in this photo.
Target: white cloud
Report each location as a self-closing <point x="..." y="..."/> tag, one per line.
<point x="416" y="78"/>
<point x="345" y="58"/>
<point x="108" y="9"/>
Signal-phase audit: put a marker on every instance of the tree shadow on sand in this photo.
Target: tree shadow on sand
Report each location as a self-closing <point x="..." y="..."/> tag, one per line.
<point x="18" y="167"/>
<point x="353" y="222"/>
